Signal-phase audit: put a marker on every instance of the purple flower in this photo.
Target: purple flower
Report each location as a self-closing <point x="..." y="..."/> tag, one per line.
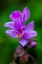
<point x="18" y="28"/>
<point x="22" y="15"/>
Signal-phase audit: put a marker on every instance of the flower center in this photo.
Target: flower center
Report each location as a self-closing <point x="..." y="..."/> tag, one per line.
<point x="19" y="35"/>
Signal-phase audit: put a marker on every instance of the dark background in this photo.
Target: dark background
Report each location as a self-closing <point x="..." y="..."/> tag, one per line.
<point x="8" y="44"/>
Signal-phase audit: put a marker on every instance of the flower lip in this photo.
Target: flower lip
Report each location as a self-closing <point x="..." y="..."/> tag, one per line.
<point x="15" y="14"/>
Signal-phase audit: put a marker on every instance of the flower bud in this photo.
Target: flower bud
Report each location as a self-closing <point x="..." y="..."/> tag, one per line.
<point x="31" y="43"/>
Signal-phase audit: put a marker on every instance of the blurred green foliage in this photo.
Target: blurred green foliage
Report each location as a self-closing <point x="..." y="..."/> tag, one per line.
<point x="9" y="44"/>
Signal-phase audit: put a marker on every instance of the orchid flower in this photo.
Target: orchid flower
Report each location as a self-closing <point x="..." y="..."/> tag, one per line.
<point x="18" y="28"/>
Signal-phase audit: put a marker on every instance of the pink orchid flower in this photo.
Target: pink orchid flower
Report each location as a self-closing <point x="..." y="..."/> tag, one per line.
<point x="18" y="29"/>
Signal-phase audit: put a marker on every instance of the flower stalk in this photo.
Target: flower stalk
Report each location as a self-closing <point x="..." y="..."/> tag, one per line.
<point x="22" y="55"/>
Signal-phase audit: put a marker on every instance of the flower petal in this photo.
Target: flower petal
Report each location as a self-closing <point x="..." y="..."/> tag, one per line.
<point x="15" y="14"/>
<point x="30" y="34"/>
<point x="23" y="42"/>
<point x="9" y="25"/>
<point x="26" y="13"/>
<point x="18" y="23"/>
<point x="12" y="33"/>
<point x="30" y="26"/>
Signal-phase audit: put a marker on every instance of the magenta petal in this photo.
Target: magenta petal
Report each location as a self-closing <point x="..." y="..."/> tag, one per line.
<point x="30" y="26"/>
<point x="23" y="42"/>
<point x="30" y="34"/>
<point x="18" y="23"/>
<point x="12" y="33"/>
<point x="9" y="25"/>
<point x="26" y="13"/>
<point x="15" y="14"/>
